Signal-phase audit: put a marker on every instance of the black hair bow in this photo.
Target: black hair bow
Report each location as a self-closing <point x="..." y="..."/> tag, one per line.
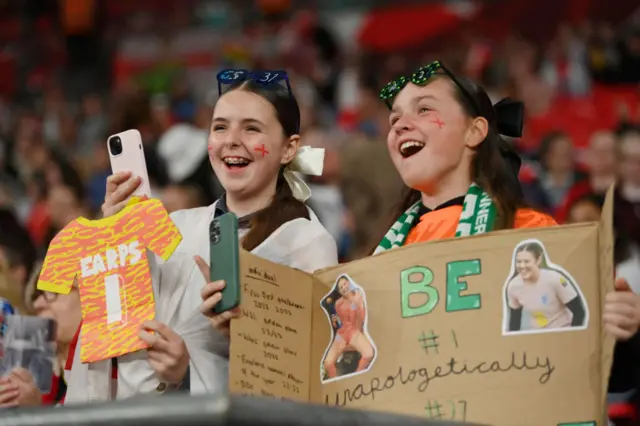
<point x="510" y="119"/>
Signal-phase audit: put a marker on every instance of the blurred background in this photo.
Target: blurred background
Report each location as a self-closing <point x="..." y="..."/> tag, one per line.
<point x="73" y="72"/>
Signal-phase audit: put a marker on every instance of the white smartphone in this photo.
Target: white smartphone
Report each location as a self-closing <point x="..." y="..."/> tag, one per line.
<point x="126" y="154"/>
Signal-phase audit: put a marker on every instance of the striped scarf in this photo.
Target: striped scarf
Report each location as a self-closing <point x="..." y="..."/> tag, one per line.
<point x="477" y="217"/>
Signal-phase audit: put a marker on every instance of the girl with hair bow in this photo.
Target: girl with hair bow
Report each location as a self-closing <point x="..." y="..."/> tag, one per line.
<point x="461" y="175"/>
<point x="254" y="149"/>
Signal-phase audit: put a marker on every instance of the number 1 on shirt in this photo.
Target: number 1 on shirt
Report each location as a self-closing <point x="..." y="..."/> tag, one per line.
<point x="114" y="290"/>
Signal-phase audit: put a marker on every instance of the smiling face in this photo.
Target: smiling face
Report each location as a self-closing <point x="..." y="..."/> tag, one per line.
<point x="247" y="144"/>
<point x="343" y="286"/>
<point x="431" y="139"/>
<point x="527" y="265"/>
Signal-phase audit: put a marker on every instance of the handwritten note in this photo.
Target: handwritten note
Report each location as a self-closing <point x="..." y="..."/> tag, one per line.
<point x="271" y="342"/>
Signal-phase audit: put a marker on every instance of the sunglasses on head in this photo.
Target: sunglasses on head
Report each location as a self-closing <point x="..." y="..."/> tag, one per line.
<point x="420" y="78"/>
<point x="231" y="77"/>
<point x="268" y="79"/>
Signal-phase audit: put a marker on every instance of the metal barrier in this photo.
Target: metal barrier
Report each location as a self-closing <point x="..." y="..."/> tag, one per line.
<point x="209" y="410"/>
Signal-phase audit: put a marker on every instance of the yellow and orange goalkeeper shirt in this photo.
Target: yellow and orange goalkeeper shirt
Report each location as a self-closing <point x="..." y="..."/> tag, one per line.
<point x="108" y="260"/>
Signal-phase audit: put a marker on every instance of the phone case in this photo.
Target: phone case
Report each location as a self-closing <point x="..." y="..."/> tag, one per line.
<point x="131" y="159"/>
<point x="225" y="259"/>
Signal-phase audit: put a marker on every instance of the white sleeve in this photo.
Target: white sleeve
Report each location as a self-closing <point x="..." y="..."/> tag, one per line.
<point x="319" y="253"/>
<point x="302" y="244"/>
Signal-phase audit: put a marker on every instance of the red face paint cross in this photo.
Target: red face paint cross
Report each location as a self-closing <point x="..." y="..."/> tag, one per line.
<point x="439" y="122"/>
<point x="262" y="149"/>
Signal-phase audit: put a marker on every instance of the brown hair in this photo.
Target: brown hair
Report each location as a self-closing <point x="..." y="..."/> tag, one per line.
<point x="489" y="168"/>
<point x="283" y="207"/>
<point x="534" y="248"/>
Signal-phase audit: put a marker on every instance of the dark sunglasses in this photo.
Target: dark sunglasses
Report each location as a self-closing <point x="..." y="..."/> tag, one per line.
<point x="420" y="78"/>
<point x="268" y="78"/>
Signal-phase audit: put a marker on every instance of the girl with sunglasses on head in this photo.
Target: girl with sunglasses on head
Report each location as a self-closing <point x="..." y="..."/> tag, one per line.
<point x="462" y="176"/>
<point x="255" y="152"/>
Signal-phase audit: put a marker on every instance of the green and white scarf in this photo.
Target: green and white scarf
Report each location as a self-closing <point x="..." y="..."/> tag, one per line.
<point x="477" y="217"/>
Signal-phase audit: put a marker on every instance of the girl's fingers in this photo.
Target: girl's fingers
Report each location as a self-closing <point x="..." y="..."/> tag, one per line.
<point x="116" y="180"/>
<point x="207" y="306"/>
<point x="211" y="288"/>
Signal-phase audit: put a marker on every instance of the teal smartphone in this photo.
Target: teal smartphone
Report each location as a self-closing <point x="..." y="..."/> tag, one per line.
<point x="224" y="259"/>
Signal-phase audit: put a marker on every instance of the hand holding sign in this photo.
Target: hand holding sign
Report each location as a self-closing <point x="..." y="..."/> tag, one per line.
<point x="211" y="296"/>
<point x="621" y="314"/>
<point x="168" y="355"/>
<point x="106" y="260"/>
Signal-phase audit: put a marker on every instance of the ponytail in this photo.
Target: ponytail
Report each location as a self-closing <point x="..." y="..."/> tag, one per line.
<point x="283" y="208"/>
<point x="492" y="170"/>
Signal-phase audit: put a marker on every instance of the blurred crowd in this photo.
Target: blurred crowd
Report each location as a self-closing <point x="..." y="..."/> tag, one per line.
<point x="581" y="91"/>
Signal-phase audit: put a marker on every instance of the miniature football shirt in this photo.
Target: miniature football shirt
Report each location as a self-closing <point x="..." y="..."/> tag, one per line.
<point x="107" y="258"/>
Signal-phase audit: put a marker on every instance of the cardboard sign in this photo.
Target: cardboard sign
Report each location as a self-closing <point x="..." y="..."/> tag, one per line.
<point x="108" y="260"/>
<point x="499" y="329"/>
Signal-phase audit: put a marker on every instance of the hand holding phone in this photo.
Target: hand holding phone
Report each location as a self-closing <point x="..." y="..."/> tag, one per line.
<point x="126" y="154"/>
<point x="224" y="262"/>
<point x="211" y="296"/>
<point x="120" y="187"/>
<point x="129" y="177"/>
